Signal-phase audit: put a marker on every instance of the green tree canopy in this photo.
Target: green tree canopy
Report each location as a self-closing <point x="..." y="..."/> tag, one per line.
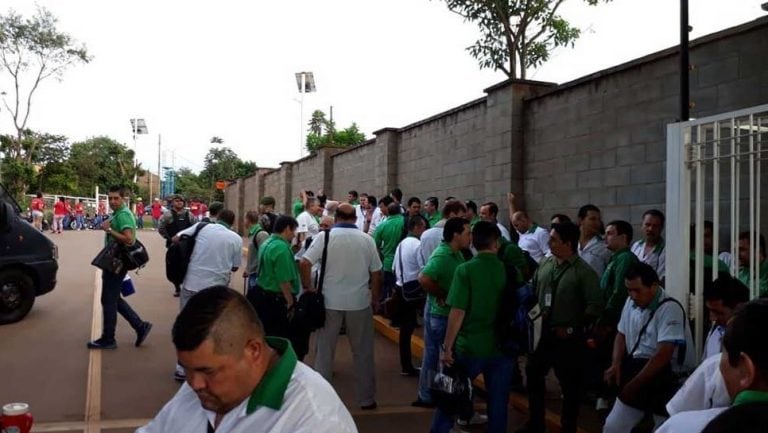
<point x="223" y="164"/>
<point x="322" y="132"/>
<point x="104" y="162"/>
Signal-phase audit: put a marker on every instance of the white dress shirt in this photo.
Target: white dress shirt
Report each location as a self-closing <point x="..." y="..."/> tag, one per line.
<point x="504" y="232"/>
<point x="704" y="389"/>
<point x="536" y="242"/>
<point x="655" y="258"/>
<point x="410" y="252"/>
<point x="376" y="219"/>
<point x="693" y="421"/>
<point x="596" y="254"/>
<point x="430" y="240"/>
<point x="218" y="250"/>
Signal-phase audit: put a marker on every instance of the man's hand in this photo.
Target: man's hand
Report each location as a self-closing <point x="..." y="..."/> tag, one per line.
<point x="175" y="239"/>
<point x="612" y="376"/>
<point x="446" y="357"/>
<point x="440" y="302"/>
<point x="511" y="198"/>
<point x="630" y="394"/>
<point x="245" y="274"/>
<point x="106" y="225"/>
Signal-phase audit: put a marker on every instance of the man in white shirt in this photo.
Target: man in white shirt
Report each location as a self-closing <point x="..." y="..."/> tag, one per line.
<point x="217" y="253"/>
<point x="650" y="249"/>
<point x="407" y="266"/>
<point x="533" y="238"/>
<point x="309" y="224"/>
<point x="722" y="298"/>
<point x="352" y="262"/>
<point x="433" y="236"/>
<point x="592" y="246"/>
<point x="652" y="344"/>
<point x="489" y="212"/>
<point x="240" y="381"/>
<point x="380" y="214"/>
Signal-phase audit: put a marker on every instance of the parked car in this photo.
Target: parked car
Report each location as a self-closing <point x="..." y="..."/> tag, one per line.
<point x="28" y="262"/>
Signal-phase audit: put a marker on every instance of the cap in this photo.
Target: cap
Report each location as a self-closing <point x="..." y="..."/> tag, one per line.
<point x="267" y="201"/>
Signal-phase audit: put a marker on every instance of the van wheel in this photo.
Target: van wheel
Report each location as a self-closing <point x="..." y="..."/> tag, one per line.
<point x="17" y="295"/>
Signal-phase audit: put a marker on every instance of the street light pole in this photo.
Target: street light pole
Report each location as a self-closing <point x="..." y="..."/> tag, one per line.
<point x="685" y="98"/>
<point x="306" y="83"/>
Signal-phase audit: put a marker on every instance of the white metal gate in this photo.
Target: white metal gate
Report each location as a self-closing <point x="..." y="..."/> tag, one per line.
<point x="714" y="173"/>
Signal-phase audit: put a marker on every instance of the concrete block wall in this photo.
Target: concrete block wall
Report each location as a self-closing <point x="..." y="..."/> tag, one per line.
<point x="307" y="174"/>
<point x="353" y="169"/>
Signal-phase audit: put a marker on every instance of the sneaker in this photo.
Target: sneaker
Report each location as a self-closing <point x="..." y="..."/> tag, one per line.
<point x="371" y="406"/>
<point x="102" y="344"/>
<point x="412" y="372"/>
<point x="476" y="419"/>
<point x="179" y="375"/>
<point x="142" y="333"/>
<point x="423" y="403"/>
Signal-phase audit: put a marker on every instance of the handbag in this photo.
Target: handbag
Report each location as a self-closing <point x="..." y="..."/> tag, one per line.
<point x="411" y="290"/>
<point x="309" y="313"/>
<point x="109" y="259"/>
<point x="450" y="389"/>
<point x="135" y="256"/>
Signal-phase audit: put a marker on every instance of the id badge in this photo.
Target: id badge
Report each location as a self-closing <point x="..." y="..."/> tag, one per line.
<point x="548" y="300"/>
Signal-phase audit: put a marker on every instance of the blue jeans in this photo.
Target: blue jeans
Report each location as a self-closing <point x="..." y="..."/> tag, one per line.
<point x="497" y="374"/>
<point x="80" y="222"/>
<point x="112" y="303"/>
<point x="434" y="334"/>
<point x="139" y="222"/>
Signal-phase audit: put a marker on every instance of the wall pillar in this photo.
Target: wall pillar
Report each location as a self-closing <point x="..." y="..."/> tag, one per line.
<point x="286" y="171"/>
<point x="388" y="142"/>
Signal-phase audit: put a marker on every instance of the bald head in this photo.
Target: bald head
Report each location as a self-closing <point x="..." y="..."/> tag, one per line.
<point x="346" y="213"/>
<point x="521" y="222"/>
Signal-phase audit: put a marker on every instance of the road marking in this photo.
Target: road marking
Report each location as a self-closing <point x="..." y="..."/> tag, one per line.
<point x="93" y="388"/>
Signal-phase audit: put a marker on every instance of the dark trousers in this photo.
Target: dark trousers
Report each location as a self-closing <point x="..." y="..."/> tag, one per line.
<point x="273" y="313"/>
<point x="112" y="303"/>
<point x="406" y="317"/>
<point x="566" y="356"/>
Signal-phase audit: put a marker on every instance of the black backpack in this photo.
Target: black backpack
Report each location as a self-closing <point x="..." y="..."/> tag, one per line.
<point x="179" y="222"/>
<point x="178" y="255"/>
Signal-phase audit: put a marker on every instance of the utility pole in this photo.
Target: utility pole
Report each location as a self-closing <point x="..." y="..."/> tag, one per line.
<point x="685" y="97"/>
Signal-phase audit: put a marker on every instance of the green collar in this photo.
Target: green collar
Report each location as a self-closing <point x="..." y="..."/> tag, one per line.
<point x="533" y="228"/>
<point x="750" y="396"/>
<point x="277" y="237"/>
<point x="656" y="248"/>
<point x="271" y="390"/>
<point x="224" y="224"/>
<point x="620" y="252"/>
<point x="252" y="230"/>
<point x="656" y="300"/>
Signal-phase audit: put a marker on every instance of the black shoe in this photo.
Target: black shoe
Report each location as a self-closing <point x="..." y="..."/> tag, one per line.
<point x="142" y="333"/>
<point x="424" y="404"/>
<point x="102" y="344"/>
<point x="371" y="406"/>
<point x="412" y="372"/>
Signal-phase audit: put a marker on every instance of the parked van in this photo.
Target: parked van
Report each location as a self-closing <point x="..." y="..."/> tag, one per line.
<point x="28" y="262"/>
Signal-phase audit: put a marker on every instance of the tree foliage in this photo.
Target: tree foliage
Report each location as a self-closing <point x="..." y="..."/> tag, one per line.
<point x="322" y="132"/>
<point x="516" y="34"/>
<point x="32" y="50"/>
<point x="222" y="164"/>
<point x="104" y="162"/>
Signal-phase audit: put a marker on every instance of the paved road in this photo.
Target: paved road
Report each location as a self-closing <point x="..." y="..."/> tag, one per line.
<point x="44" y="361"/>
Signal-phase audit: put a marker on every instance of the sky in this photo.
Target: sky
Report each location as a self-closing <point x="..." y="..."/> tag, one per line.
<point x="197" y="69"/>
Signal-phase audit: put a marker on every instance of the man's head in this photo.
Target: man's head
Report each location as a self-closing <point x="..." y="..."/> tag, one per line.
<point x="485" y="236"/>
<point x="642" y="284"/>
<point x="251" y="218"/>
<point x="384" y="204"/>
<point x="559" y="218"/>
<point x="39" y="194"/>
<point x="454" y="209"/>
<point x="521" y="222"/>
<point x="430" y="205"/>
<point x="489" y="211"/>
<point x="345" y="213"/>
<point x="396" y="194"/>
<point x="563" y="240"/>
<point x="215" y="208"/>
<point x="744" y="248"/>
<point x="178" y="202"/>
<point x="369" y="203"/>
<point x="471" y="209"/>
<point x="589" y="219"/>
<point x="744" y="361"/>
<point x="114" y="196"/>
<point x="414" y="206"/>
<point x="618" y="235"/>
<point x="352" y="196"/>
<point x="266" y="204"/>
<point x="416" y="225"/>
<point x="709" y="229"/>
<point x="220" y="343"/>
<point x="326" y="222"/>
<point x="285" y="226"/>
<point x="394" y="209"/>
<point x="227" y="217"/>
<point x="312" y="206"/>
<point x="653" y="225"/>
<point x="723" y="296"/>
<point x="456" y="233"/>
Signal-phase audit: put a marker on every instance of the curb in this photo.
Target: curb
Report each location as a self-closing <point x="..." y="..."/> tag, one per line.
<point x="516" y="401"/>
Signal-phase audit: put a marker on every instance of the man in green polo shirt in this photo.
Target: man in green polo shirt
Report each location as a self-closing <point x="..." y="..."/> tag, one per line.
<point x="239" y="379"/>
<point x="471" y="341"/>
<point x="570" y="299"/>
<point x="431" y="211"/>
<point x="386" y="237"/>
<point x="436" y="279"/>
<point x="120" y="228"/>
<point x="278" y="283"/>
<point x="760" y="257"/>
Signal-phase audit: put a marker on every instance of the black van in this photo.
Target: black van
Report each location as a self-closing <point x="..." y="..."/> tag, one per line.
<point x="28" y="262"/>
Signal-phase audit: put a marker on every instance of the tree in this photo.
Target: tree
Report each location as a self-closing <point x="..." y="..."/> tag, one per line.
<point x="191" y="185"/>
<point x="317" y="122"/>
<point x="222" y="163"/>
<point x="104" y="162"/>
<point x="322" y="132"/>
<point x="516" y="34"/>
<point x="24" y="157"/>
<point x="31" y="51"/>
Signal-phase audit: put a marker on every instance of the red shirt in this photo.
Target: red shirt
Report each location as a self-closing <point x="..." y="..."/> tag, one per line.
<point x="195" y="209"/>
<point x="157" y="210"/>
<point x="60" y="208"/>
<point x="102" y="208"/>
<point x="37" y="204"/>
<point x="139" y="209"/>
<point x="79" y="208"/>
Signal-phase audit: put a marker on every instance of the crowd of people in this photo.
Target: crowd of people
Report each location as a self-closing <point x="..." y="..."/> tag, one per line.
<point x="582" y="297"/>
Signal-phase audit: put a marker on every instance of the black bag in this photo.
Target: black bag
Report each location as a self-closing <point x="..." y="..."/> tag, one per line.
<point x="110" y="259"/>
<point x="135" y="256"/>
<point x="411" y="290"/>
<point x="309" y="313"/>
<point x="451" y="390"/>
<point x="178" y="255"/>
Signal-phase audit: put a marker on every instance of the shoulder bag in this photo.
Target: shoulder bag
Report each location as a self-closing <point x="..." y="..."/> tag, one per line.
<point x="309" y="314"/>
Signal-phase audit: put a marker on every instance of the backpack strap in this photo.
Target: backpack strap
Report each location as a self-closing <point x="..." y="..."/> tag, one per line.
<point x="681" y="351"/>
<point x="324" y="260"/>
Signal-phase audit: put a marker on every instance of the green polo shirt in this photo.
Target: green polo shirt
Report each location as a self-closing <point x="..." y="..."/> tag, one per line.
<point x="441" y="267"/>
<point x="513" y="256"/>
<point x="763" y="283"/>
<point x="474" y="221"/>
<point x="434" y="219"/>
<point x="750" y="396"/>
<point x="573" y="290"/>
<point x="387" y="236"/>
<point x="613" y="286"/>
<point x="477" y="288"/>
<point x="277" y="265"/>
<point x="270" y="391"/>
<point x="298" y="207"/>
<point x="122" y="219"/>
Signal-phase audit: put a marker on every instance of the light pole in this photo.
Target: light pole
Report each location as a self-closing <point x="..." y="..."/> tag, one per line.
<point x="306" y="84"/>
<point x="139" y="126"/>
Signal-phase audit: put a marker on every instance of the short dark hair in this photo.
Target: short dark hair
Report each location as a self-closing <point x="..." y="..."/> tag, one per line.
<point x="493" y="208"/>
<point x="215" y="208"/>
<point x="115" y="188"/>
<point x="413" y="200"/>
<point x="760" y="240"/>
<point x="453" y="207"/>
<point x="470" y="205"/>
<point x="563" y="218"/>
<point x="622" y="228"/>
<point x="569" y="234"/>
<point x="586" y="209"/>
<point x="39" y="194"/>
<point x="644" y="271"/>
<point x="397" y="194"/>
<point x="454" y="226"/>
<point x="485" y="235"/>
<point x="655" y="213"/>
<point x="449" y="198"/>
<point x="211" y="313"/>
<point x="353" y="193"/>
<point x="252" y="216"/>
<point x="386" y="200"/>
<point x="745" y="333"/>
<point x="283" y="222"/>
<point x="345" y="216"/>
<point x="227" y="216"/>
<point x="394" y="209"/>
<point x="433" y="200"/>
<point x="727" y="289"/>
<point x="708" y="225"/>
<point x="372" y="201"/>
<point x="416" y="221"/>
